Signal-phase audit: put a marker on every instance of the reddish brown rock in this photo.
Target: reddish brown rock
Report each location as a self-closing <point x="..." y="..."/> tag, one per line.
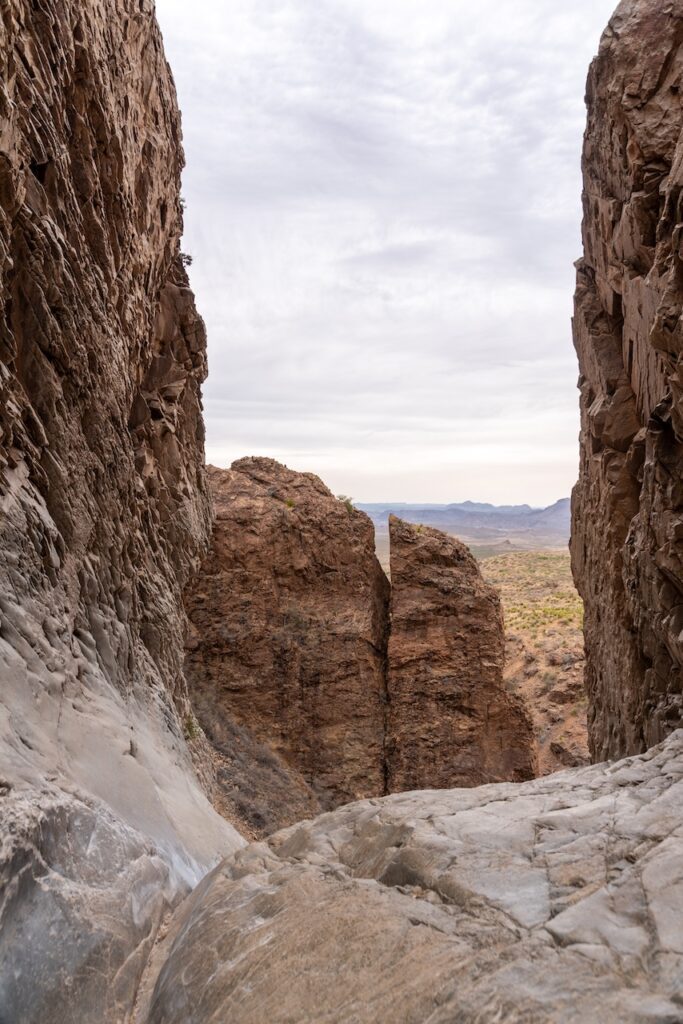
<point x="289" y="651"/>
<point x="627" y="543"/>
<point x="451" y="720"/>
<point x="289" y="621"/>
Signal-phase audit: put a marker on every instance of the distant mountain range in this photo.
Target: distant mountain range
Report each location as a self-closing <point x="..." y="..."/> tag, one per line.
<point x="487" y="528"/>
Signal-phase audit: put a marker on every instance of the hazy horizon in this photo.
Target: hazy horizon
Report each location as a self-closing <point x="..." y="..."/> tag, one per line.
<point x="383" y="210"/>
<point x="465" y="501"/>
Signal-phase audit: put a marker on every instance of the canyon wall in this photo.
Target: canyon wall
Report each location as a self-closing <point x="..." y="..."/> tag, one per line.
<point x="104" y="509"/>
<point x="627" y="534"/>
<point x="298" y="641"/>
<point x="289" y="618"/>
<point x="558" y="899"/>
<point x="451" y="720"/>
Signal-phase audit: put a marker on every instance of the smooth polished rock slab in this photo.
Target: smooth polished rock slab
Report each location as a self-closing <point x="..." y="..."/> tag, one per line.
<point x="559" y="900"/>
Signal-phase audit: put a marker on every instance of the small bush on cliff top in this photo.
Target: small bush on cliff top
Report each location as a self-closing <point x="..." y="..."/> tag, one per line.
<point x="347" y="501"/>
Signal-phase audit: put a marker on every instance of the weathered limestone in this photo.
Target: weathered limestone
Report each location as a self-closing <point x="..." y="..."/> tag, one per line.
<point x="557" y="900"/>
<point x="628" y="505"/>
<point x="103" y="510"/>
<point x="451" y="720"/>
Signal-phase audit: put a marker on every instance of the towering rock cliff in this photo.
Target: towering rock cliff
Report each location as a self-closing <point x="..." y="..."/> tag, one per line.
<point x="627" y="543"/>
<point x="289" y="623"/>
<point x="298" y="640"/>
<point x="451" y="721"/>
<point x="104" y="509"/>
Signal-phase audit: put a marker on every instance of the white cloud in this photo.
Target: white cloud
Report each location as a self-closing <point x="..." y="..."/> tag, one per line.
<point x="383" y="210"/>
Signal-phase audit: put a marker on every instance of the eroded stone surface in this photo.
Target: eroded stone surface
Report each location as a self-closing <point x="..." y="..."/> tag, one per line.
<point x="103" y="509"/>
<point x="289" y="620"/>
<point x="451" y="720"/>
<point x="628" y="505"/>
<point x="560" y="899"/>
<point x="291" y="649"/>
<point x="83" y="896"/>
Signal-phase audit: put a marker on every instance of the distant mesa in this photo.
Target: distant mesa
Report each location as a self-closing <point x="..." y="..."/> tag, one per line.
<point x="487" y="529"/>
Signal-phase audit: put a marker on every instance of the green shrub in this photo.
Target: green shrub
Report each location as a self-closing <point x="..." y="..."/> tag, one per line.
<point x="191" y="727"/>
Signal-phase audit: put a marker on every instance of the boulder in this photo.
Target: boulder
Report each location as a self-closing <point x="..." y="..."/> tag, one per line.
<point x="451" y="720"/>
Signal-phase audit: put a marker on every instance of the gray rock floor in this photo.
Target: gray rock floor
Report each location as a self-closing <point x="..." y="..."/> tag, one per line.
<point x="557" y="900"/>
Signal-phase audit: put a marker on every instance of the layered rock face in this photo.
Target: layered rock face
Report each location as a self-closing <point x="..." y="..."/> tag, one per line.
<point x="628" y="505"/>
<point x="560" y="899"/>
<point x="291" y="642"/>
<point x="289" y="621"/>
<point x="557" y="900"/>
<point x="103" y="509"/>
<point x="451" y="721"/>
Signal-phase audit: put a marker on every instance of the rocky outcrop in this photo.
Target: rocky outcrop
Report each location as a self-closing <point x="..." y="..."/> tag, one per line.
<point x="289" y="623"/>
<point x="290" y="648"/>
<point x="104" y="510"/>
<point x="557" y="900"/>
<point x="451" y="720"/>
<point x="628" y="505"/>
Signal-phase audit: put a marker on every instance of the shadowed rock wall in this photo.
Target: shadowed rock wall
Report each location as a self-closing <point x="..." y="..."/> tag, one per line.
<point x="451" y="720"/>
<point x="104" y="509"/>
<point x="627" y="534"/>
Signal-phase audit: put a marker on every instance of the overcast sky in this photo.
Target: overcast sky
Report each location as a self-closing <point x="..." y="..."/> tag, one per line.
<point x="383" y="209"/>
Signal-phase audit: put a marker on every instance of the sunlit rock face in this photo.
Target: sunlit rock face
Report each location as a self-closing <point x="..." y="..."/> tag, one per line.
<point x="103" y="509"/>
<point x="451" y="720"/>
<point x="556" y="900"/>
<point x="627" y="542"/>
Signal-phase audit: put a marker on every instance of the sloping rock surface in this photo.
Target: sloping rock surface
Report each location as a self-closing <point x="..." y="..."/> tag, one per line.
<point x="289" y="620"/>
<point x="104" y="510"/>
<point x="627" y="533"/>
<point x="451" y="720"/>
<point x="558" y="900"/>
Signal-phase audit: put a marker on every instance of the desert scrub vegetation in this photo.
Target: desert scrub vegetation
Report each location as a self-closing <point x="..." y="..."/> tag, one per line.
<point x="544" y="650"/>
<point x="537" y="590"/>
<point x="190" y="727"/>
